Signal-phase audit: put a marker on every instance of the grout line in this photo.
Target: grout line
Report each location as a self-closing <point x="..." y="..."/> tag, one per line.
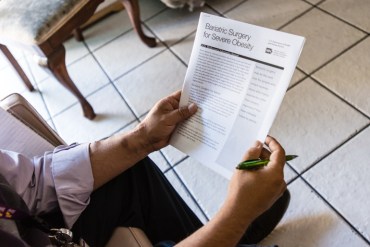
<point x="167" y="161"/>
<point x="339" y="18"/>
<point x="354" y="229"/>
<point x="354" y="135"/>
<point x="114" y="86"/>
<point x="77" y="102"/>
<point x="294" y="170"/>
<point x="154" y="15"/>
<point x="298" y="82"/>
<point x="213" y="9"/>
<point x="108" y="42"/>
<point x="112" y="80"/>
<point x="135" y="67"/>
<point x="340" y="98"/>
<point x="179" y="58"/>
<point x="184" y="38"/>
<point x="167" y="47"/>
<point x="36" y="86"/>
<point x="296" y="17"/>
<point x="234" y="7"/>
<point x="337" y="55"/>
<point x="190" y="194"/>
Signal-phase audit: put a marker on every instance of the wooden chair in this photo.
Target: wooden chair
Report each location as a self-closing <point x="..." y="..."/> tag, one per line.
<point x="42" y="26"/>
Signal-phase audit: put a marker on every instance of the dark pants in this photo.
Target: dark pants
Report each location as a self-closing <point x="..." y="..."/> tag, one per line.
<point x="140" y="197"/>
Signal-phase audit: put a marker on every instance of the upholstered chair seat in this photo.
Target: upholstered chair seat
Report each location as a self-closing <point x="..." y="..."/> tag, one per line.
<point x="42" y="26"/>
<point x="33" y="22"/>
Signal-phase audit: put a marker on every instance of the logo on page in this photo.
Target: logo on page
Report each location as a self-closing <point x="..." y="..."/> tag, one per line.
<point x="268" y="50"/>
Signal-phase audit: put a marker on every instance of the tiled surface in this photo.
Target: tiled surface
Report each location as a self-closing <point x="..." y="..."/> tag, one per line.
<point x="351" y="84"/>
<point x="312" y="121"/>
<point x="355" y="12"/>
<point x="258" y="12"/>
<point x="323" y="39"/>
<point x="172" y="25"/>
<point x="324" y="118"/>
<point x="343" y="186"/>
<point x="309" y="222"/>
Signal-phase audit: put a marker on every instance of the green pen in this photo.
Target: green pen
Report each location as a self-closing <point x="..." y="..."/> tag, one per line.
<point x="257" y="163"/>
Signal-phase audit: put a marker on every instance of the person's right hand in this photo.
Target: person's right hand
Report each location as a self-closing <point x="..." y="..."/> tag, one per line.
<point x="252" y="192"/>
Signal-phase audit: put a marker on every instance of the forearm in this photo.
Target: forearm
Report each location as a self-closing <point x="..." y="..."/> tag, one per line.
<point x="114" y="155"/>
<point x="224" y="230"/>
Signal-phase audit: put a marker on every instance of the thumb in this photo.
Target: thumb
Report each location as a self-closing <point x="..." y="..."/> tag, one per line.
<point x="184" y="112"/>
<point x="253" y="152"/>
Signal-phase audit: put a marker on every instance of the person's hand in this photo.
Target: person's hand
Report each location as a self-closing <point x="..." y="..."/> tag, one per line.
<point x="162" y="120"/>
<point x="254" y="191"/>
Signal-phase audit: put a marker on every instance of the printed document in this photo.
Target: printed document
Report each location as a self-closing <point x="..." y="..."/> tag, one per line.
<point x="238" y="75"/>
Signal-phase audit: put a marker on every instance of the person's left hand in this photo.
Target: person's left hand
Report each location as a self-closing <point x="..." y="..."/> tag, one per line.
<point x="162" y="120"/>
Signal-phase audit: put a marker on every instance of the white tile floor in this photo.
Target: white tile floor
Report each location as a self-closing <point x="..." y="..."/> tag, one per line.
<point x="324" y="118"/>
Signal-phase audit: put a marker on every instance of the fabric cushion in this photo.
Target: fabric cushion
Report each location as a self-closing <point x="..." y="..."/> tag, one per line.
<point x="33" y="21"/>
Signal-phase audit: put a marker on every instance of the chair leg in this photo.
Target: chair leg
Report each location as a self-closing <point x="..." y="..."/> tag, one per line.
<point x="17" y="67"/>
<point x="56" y="64"/>
<point x="132" y="7"/>
<point x="77" y="33"/>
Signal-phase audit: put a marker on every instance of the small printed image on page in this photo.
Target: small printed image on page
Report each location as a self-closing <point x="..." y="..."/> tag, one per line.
<point x="259" y="96"/>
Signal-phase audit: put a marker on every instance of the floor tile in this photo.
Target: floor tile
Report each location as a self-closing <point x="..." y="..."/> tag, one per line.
<point x="151" y="82"/>
<point x="259" y="13"/>
<point x="38" y="72"/>
<point x="312" y="121"/>
<point x="107" y="29"/>
<point x="124" y="53"/>
<point x="183" y="48"/>
<point x="174" y="24"/>
<point x="3" y="61"/>
<point x="74" y="50"/>
<point x="289" y="174"/>
<point x="223" y="6"/>
<point x="309" y="222"/>
<point x="172" y="154"/>
<point x="159" y="160"/>
<point x="314" y="1"/>
<point x="297" y="76"/>
<point x="208" y="187"/>
<point x="323" y="40"/>
<point x="35" y="99"/>
<point x="51" y="124"/>
<point x="10" y="81"/>
<point x="87" y="76"/>
<point x="127" y="128"/>
<point x="355" y="12"/>
<point x="112" y="114"/>
<point x="179" y="187"/>
<point x="343" y="180"/>
<point x="149" y="8"/>
<point x="348" y="76"/>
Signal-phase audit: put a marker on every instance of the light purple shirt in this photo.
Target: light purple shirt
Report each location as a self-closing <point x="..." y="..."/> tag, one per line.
<point x="61" y="177"/>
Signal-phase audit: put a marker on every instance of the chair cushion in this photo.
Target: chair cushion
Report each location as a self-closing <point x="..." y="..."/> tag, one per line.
<point x="33" y="21"/>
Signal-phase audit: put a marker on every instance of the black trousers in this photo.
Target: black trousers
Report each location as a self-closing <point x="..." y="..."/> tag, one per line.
<point x="140" y="197"/>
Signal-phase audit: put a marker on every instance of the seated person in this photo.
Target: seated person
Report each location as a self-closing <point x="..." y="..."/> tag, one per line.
<point x="96" y="187"/>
